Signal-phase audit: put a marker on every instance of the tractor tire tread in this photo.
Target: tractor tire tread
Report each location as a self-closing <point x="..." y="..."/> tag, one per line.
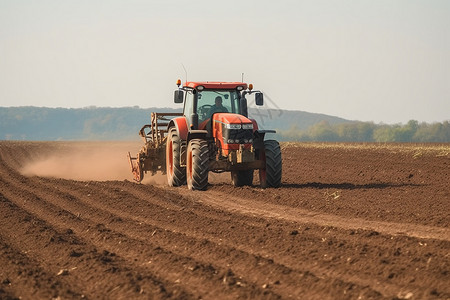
<point x="273" y="163"/>
<point x="179" y="173"/>
<point x="200" y="164"/>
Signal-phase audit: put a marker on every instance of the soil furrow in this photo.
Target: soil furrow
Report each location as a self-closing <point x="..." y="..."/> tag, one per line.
<point x="254" y="208"/>
<point x="181" y="244"/>
<point x="86" y="257"/>
<point x="126" y="237"/>
<point x="19" y="270"/>
<point x="285" y="270"/>
<point x="348" y="222"/>
<point x="322" y="271"/>
<point x="130" y="248"/>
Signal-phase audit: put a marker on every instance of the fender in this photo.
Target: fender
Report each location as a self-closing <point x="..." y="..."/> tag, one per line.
<point x="197" y="134"/>
<point x="258" y="138"/>
<point x="180" y="124"/>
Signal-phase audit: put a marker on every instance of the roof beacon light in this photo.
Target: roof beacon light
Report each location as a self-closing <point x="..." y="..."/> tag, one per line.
<point x="250" y="86"/>
<point x="178" y="82"/>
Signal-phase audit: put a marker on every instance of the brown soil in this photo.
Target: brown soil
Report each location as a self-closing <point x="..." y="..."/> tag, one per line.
<point x="351" y="221"/>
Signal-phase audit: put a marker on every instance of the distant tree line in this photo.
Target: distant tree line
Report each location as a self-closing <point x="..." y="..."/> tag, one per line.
<point x="106" y="123"/>
<point x="413" y="131"/>
<point x="90" y="123"/>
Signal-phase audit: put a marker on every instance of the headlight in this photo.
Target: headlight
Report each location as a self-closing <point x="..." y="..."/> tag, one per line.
<point x="233" y="126"/>
<point x="236" y="141"/>
<point x="230" y="142"/>
<point x="247" y="126"/>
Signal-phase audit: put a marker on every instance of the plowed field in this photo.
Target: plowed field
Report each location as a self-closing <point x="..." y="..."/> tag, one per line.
<point x="351" y="221"/>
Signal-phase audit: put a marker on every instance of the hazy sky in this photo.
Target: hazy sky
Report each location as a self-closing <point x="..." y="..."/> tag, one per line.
<point x="383" y="61"/>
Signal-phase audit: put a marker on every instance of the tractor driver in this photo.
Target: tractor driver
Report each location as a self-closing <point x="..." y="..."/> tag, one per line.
<point x="217" y="107"/>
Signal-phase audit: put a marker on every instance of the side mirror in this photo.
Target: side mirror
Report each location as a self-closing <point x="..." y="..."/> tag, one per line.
<point x="259" y="99"/>
<point x="178" y="96"/>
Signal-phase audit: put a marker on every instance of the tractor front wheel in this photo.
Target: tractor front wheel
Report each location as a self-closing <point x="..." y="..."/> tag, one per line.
<point x="197" y="164"/>
<point x="271" y="154"/>
<point x="176" y="175"/>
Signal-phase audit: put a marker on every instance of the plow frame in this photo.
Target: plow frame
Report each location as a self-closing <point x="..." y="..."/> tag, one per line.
<point x="152" y="156"/>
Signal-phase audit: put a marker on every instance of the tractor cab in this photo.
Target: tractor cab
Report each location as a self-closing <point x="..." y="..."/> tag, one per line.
<point x="202" y="100"/>
<point x="200" y="106"/>
<point x="220" y="109"/>
<point x="210" y="102"/>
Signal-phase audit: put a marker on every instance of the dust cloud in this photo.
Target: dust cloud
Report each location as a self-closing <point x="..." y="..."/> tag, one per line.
<point x="97" y="161"/>
<point x="157" y="179"/>
<point x="88" y="161"/>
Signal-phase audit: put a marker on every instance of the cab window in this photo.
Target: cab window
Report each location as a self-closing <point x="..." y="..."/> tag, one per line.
<point x="210" y="102"/>
<point x="189" y="104"/>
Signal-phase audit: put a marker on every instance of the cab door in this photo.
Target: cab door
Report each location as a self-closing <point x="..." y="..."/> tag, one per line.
<point x="190" y="109"/>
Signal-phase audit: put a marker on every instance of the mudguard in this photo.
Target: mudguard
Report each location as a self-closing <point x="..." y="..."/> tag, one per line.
<point x="180" y="124"/>
<point x="258" y="138"/>
<point x="197" y="134"/>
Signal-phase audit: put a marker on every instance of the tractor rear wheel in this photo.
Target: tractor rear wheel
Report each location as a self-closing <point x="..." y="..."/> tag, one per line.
<point x="176" y="175"/>
<point x="197" y="164"/>
<point x="271" y="154"/>
<point x="241" y="178"/>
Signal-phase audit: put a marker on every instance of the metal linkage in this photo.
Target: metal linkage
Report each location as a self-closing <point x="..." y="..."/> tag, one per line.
<point x="152" y="155"/>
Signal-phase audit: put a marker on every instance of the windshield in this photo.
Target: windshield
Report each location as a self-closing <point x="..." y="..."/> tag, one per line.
<point x="210" y="102"/>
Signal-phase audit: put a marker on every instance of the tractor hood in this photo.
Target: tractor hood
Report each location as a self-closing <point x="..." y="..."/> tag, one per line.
<point x="232" y="121"/>
<point x="231" y="131"/>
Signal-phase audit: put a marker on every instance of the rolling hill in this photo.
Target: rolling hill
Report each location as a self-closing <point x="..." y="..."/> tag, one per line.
<point x="105" y="123"/>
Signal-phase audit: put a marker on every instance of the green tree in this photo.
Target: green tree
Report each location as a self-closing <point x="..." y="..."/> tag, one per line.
<point x="384" y="134"/>
<point x="322" y="132"/>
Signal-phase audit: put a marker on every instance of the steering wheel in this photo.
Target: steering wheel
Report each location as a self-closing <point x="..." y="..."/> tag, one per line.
<point x="203" y="111"/>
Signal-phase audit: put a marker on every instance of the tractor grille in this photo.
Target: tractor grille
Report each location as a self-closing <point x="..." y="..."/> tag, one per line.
<point x="237" y="136"/>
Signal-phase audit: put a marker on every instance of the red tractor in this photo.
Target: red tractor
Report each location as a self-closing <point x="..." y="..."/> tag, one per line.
<point x="213" y="134"/>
